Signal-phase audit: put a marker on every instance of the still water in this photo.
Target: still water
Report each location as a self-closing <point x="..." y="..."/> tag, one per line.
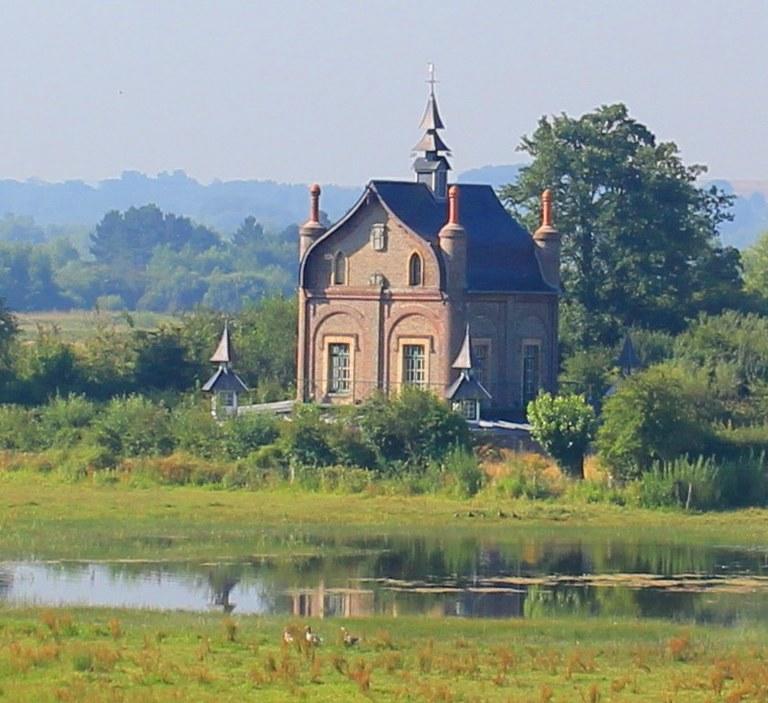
<point x="427" y="576"/>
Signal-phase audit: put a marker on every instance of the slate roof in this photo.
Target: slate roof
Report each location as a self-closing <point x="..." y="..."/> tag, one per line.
<point x="501" y="254"/>
<point x="467" y="387"/>
<point x="225" y="379"/>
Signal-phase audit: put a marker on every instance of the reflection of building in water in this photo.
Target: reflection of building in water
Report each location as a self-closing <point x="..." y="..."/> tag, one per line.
<point x="323" y="602"/>
<point x="6" y="581"/>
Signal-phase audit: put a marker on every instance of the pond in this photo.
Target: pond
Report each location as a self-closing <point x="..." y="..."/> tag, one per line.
<point x="435" y="576"/>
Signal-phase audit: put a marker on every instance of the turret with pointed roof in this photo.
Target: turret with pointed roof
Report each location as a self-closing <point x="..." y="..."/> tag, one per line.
<point x="466" y="393"/>
<point x="432" y="168"/>
<point x="225" y="384"/>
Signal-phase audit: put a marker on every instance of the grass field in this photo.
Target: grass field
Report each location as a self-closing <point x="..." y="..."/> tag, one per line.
<point x="89" y="655"/>
<point x="47" y="518"/>
<point x="77" y="325"/>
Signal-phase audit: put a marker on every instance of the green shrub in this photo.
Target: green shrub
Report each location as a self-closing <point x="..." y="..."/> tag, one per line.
<point x="743" y="481"/>
<point x="242" y="435"/>
<point x="413" y="428"/>
<point x="195" y="430"/>
<point x="654" y="416"/>
<point x="63" y="421"/>
<point x="134" y="426"/>
<point x="597" y="492"/>
<point x="304" y="438"/>
<point x="563" y="425"/>
<point x="19" y="429"/>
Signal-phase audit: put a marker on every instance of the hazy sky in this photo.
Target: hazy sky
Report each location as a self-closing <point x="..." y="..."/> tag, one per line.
<point x="333" y="90"/>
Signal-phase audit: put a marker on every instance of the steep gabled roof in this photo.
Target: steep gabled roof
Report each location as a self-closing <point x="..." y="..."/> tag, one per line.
<point x="467" y="387"/>
<point x="501" y="254"/>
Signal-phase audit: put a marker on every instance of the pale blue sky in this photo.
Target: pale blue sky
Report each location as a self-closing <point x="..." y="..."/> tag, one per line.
<point x="333" y="91"/>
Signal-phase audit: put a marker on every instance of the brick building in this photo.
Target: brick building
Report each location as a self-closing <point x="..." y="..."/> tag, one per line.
<point x="416" y="279"/>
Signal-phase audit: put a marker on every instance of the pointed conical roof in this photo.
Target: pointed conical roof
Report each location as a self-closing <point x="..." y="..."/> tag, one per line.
<point x="432" y="141"/>
<point x="465" y="361"/>
<point x="628" y="359"/>
<point x="224" y="353"/>
<point x="431" y="118"/>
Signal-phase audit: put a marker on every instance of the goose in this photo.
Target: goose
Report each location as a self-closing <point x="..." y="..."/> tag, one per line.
<point x="313" y="640"/>
<point x="287" y="636"/>
<point x="349" y="640"/>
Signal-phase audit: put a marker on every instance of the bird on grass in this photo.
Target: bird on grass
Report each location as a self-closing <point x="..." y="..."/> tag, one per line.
<point x="312" y="639"/>
<point x="287" y="636"/>
<point x="348" y="639"/>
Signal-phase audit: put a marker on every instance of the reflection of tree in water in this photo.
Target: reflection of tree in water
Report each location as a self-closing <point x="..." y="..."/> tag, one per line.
<point x="221" y="581"/>
<point x="6" y="581"/>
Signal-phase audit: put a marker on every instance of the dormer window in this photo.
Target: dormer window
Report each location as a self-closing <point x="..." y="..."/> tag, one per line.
<point x="379" y="237"/>
<point x="339" y="269"/>
<point x="415" y="272"/>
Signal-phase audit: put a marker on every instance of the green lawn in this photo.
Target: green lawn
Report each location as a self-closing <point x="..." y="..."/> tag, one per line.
<point x="84" y="655"/>
<point x="48" y="518"/>
<point x="78" y="325"/>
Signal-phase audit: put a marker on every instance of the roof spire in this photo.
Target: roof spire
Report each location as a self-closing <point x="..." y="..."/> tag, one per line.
<point x="465" y="360"/>
<point x="224" y="353"/>
<point x="432" y="168"/>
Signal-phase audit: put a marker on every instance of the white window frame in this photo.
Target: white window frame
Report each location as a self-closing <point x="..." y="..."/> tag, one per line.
<point x="379" y="237"/>
<point x="462" y="407"/>
<point x="483" y="373"/>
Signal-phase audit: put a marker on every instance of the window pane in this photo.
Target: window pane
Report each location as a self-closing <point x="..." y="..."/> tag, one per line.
<point x="480" y="358"/>
<point x="339" y="371"/>
<point x="414" y="371"/>
<point x="340" y="269"/>
<point x="414" y="271"/>
<point x="531" y="372"/>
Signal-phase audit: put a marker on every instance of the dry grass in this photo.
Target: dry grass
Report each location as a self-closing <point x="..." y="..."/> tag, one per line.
<point x="68" y="656"/>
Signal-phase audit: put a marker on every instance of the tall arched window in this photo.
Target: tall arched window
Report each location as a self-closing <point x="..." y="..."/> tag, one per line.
<point x="414" y="270"/>
<point x="339" y="269"/>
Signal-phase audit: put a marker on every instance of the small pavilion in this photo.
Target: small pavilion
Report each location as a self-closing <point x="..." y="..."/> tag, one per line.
<point x="225" y="385"/>
<point x="466" y="394"/>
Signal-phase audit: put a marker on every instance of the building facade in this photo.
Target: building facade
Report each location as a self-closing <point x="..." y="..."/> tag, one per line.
<point x="387" y="294"/>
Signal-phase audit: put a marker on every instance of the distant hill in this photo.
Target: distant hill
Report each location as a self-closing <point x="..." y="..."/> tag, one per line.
<point x="224" y="204"/>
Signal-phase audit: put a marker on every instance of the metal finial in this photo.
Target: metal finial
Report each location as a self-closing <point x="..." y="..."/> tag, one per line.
<point x="431" y="80"/>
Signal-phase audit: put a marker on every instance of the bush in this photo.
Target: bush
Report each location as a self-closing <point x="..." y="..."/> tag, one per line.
<point x="195" y="430"/>
<point x="244" y="434"/>
<point x="134" y="426"/>
<point x="525" y="477"/>
<point x="653" y="417"/>
<point x="413" y="428"/>
<point x="563" y="425"/>
<point x="304" y="438"/>
<point x="19" y="429"/>
<point x="64" y="421"/>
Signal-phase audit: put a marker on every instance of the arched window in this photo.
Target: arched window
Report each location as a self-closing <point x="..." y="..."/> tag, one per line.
<point x="414" y="270"/>
<point x="339" y="269"/>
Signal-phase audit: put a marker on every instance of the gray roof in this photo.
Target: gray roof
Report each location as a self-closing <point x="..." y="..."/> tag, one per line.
<point x="501" y="254"/>
<point x="466" y="387"/>
<point x="224" y="379"/>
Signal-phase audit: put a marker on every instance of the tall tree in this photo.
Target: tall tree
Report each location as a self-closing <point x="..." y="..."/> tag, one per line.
<point x="640" y="241"/>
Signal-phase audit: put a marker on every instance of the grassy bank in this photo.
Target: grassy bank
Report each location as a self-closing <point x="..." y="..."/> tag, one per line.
<point x="100" y="655"/>
<point x="44" y="517"/>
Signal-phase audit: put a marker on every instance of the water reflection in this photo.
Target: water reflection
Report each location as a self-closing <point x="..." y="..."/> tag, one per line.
<point x="426" y="576"/>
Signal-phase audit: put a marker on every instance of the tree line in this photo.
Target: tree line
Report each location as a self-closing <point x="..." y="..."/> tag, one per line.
<point x="143" y="259"/>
